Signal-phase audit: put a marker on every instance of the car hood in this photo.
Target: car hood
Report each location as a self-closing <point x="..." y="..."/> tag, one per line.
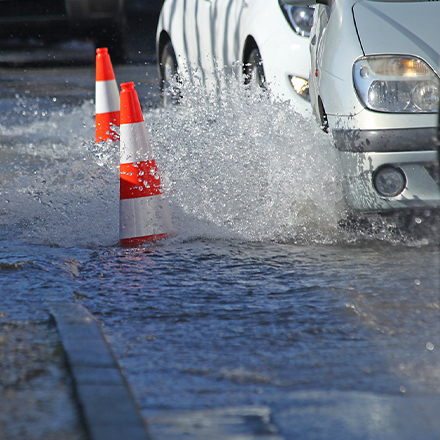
<point x="399" y="28"/>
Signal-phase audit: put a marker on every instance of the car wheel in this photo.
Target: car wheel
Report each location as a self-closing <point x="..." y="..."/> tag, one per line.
<point x="169" y="77"/>
<point x="253" y="70"/>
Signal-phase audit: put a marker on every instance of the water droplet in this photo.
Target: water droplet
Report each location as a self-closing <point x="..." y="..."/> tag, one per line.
<point x="430" y="346"/>
<point x="417" y="282"/>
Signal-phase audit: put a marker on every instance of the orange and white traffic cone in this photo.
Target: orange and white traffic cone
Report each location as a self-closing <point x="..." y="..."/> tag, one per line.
<point x="107" y="115"/>
<point x="144" y="214"/>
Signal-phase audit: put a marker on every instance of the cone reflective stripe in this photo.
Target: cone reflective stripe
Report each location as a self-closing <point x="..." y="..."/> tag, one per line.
<point x="107" y="102"/>
<point x="143" y="211"/>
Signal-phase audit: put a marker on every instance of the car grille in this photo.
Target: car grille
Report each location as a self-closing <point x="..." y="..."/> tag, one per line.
<point x="432" y="169"/>
<point x="31" y="8"/>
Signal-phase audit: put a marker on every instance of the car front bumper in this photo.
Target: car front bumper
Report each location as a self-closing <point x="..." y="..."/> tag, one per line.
<point x="385" y="140"/>
<point x="367" y="141"/>
<point x="420" y="169"/>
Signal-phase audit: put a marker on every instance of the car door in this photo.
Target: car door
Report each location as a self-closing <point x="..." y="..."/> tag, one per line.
<point x="205" y="34"/>
<point x="211" y="40"/>
<point x="192" y="35"/>
<point x="224" y="22"/>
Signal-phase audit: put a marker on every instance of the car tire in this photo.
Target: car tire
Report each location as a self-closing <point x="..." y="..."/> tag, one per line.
<point x="170" y="93"/>
<point x="254" y="70"/>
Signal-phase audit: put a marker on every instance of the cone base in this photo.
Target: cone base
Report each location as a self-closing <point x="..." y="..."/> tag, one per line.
<point x="137" y="241"/>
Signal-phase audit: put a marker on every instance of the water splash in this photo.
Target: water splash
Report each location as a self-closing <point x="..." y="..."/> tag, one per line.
<point x="57" y="187"/>
<point x="239" y="165"/>
<point x="243" y="165"/>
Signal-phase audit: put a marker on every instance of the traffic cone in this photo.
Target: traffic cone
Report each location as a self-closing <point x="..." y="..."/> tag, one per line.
<point x="107" y="115"/>
<point x="143" y="210"/>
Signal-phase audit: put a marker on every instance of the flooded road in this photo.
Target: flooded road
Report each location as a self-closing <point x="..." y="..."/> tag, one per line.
<point x="262" y="316"/>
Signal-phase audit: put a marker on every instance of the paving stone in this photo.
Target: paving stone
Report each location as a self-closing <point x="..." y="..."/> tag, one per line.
<point x="107" y="405"/>
<point x="97" y="376"/>
<point x="79" y="331"/>
<point x="87" y="358"/>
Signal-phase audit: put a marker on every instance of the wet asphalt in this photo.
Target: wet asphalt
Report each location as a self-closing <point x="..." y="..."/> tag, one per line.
<point x="58" y="376"/>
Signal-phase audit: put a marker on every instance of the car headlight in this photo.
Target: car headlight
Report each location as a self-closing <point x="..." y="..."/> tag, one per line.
<point x="396" y="84"/>
<point x="300" y="18"/>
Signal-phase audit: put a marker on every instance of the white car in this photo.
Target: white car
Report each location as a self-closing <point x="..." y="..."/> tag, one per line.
<point x="374" y="84"/>
<point x="266" y="40"/>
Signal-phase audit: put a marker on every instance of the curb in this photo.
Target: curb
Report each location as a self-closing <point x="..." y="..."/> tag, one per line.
<point x="107" y="405"/>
